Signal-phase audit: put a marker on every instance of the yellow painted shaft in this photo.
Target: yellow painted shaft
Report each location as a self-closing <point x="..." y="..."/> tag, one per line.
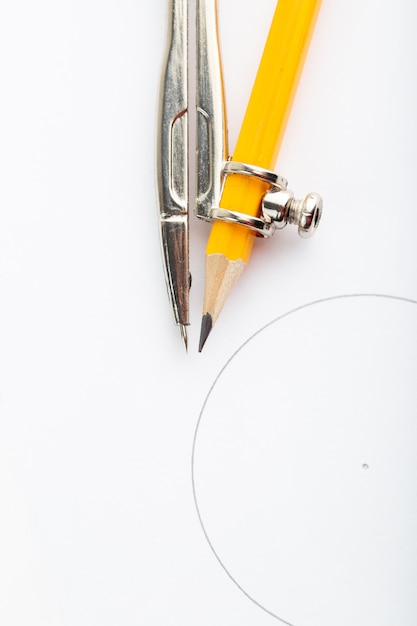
<point x="265" y="120"/>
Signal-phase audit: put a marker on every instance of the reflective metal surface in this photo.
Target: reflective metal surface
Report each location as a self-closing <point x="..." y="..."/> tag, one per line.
<point x="257" y="224"/>
<point x="273" y="179"/>
<point x="211" y="116"/>
<point x="172" y="163"/>
<point x="281" y="208"/>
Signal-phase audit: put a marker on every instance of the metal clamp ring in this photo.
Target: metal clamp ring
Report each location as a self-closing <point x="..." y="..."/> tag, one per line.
<point x="256" y="224"/>
<point x="259" y="225"/>
<point x="271" y="178"/>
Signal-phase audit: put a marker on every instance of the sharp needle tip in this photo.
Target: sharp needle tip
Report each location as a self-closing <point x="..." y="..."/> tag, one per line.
<point x="183" y="330"/>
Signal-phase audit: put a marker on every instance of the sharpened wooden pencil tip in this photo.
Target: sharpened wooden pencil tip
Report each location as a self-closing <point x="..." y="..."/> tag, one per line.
<point x="206" y="326"/>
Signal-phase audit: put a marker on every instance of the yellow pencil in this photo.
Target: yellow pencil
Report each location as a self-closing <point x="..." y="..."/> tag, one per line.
<point x="230" y="245"/>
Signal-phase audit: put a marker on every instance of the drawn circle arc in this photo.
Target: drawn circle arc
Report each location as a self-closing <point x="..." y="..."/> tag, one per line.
<point x="201" y="516"/>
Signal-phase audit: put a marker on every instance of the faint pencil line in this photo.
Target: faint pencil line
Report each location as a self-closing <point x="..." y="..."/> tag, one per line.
<point x="200" y="417"/>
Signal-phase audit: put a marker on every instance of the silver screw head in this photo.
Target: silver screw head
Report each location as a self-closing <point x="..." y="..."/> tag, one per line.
<point x="310" y="215"/>
<point x="281" y="208"/>
<point x="275" y="206"/>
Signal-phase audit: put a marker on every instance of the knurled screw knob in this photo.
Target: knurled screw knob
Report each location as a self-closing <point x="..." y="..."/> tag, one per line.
<point x="281" y="208"/>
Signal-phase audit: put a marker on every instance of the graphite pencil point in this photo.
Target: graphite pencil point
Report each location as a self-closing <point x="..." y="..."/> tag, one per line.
<point x="206" y="326"/>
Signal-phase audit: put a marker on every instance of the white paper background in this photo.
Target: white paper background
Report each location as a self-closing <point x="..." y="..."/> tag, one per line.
<point x="305" y="481"/>
<point x="98" y="401"/>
